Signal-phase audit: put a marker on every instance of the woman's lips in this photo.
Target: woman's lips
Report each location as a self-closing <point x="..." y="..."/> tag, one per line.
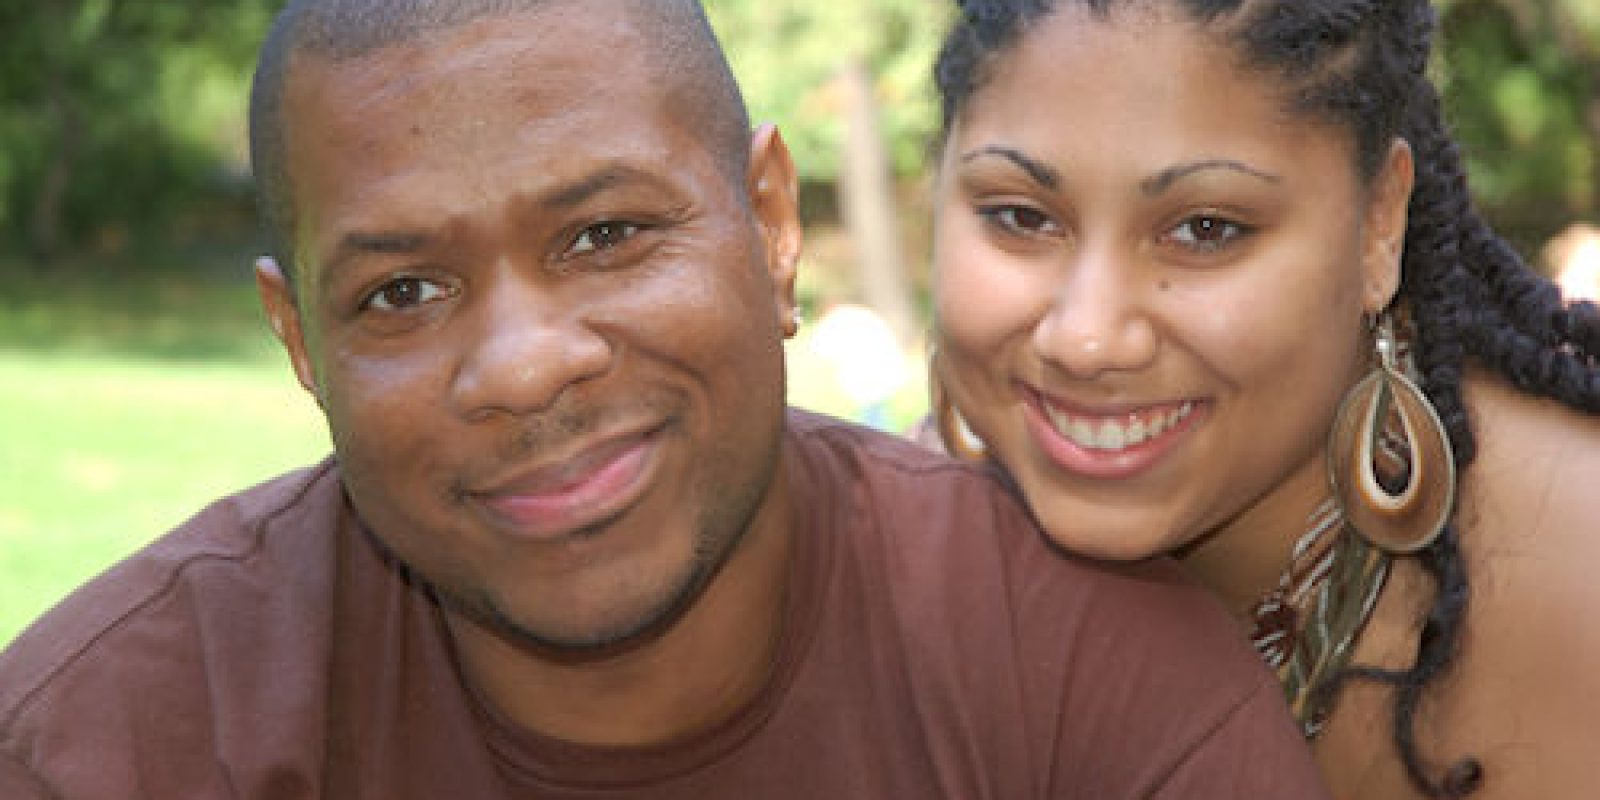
<point x="1110" y="444"/>
<point x="553" y="501"/>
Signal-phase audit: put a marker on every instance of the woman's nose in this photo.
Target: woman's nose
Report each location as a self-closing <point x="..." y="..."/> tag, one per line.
<point x="1097" y="321"/>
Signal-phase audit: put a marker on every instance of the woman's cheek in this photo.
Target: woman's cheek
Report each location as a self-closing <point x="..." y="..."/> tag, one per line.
<point x="983" y="299"/>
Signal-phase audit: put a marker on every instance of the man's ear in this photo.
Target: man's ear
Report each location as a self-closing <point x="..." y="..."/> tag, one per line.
<point x="773" y="189"/>
<point x="283" y="314"/>
<point x="1384" y="229"/>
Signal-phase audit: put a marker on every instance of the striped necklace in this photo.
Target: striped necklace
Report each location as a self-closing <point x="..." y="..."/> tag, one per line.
<point x="1306" y="627"/>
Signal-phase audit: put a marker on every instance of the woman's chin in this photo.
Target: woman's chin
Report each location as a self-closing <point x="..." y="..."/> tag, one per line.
<point x="1106" y="543"/>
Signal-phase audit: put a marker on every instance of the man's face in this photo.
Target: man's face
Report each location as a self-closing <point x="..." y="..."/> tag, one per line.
<point x="544" y="322"/>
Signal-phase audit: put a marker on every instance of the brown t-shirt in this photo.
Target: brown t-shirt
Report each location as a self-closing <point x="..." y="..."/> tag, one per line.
<point x="934" y="647"/>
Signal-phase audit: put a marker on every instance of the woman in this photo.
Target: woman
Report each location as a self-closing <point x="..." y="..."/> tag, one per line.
<point x="1190" y="255"/>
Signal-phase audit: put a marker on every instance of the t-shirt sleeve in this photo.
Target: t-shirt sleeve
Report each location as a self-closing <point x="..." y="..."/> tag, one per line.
<point x="1254" y="752"/>
<point x="1141" y="685"/>
<point x="19" y="783"/>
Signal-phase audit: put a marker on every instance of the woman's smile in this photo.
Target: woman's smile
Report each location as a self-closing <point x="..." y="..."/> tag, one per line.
<point x="1110" y="444"/>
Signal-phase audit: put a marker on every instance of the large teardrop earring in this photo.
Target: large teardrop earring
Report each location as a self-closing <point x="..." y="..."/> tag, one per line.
<point x="1390" y="462"/>
<point x="958" y="439"/>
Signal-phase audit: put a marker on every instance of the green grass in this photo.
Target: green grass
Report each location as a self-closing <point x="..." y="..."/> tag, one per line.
<point x="129" y="398"/>
<point x="127" y="405"/>
<point x="102" y="453"/>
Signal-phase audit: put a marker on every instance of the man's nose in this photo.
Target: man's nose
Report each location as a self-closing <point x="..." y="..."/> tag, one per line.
<point x="528" y="344"/>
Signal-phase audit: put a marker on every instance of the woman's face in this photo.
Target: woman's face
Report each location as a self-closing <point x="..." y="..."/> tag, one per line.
<point x="1151" y="280"/>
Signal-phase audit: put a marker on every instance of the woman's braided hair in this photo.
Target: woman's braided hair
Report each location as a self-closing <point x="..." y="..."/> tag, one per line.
<point x="1362" y="64"/>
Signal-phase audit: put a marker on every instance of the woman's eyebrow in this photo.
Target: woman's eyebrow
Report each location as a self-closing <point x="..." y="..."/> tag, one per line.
<point x="1041" y="173"/>
<point x="1161" y="181"/>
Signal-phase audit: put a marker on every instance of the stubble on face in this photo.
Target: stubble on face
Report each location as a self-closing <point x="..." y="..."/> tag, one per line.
<point x="717" y="533"/>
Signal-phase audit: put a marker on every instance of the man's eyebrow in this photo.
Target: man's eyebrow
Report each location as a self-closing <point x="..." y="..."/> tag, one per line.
<point x="1163" y="180"/>
<point x="358" y="243"/>
<point x="383" y="242"/>
<point x="586" y="187"/>
<point x="1041" y="173"/>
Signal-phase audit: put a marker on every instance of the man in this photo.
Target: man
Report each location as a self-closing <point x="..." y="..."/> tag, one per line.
<point x="537" y="273"/>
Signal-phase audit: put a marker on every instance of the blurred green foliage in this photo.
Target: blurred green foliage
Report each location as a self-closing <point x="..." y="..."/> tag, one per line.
<point x="789" y="53"/>
<point x="1522" y="85"/>
<point x="121" y="121"/>
<point x="121" y="118"/>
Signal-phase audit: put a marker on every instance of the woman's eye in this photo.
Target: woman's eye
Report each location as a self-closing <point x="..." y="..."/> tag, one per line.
<point x="602" y="236"/>
<point x="1018" y="219"/>
<point x="404" y="293"/>
<point x="1206" y="232"/>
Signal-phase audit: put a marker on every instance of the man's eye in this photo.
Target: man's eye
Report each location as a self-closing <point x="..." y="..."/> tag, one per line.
<point x="1018" y="219"/>
<point x="1207" y="232"/>
<point x="602" y="236"/>
<point x="404" y="293"/>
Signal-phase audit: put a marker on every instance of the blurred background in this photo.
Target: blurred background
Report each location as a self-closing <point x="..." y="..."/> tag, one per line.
<point x="137" y="377"/>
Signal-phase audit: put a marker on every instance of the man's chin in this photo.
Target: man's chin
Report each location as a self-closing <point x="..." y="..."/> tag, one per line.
<point x="579" y="638"/>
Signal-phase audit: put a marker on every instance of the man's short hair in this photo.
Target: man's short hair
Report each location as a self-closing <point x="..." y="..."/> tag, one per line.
<point x="702" y="85"/>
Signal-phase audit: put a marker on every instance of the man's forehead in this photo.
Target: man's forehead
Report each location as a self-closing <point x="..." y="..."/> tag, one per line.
<point x="409" y="136"/>
<point x="536" y="97"/>
<point x="531" y="47"/>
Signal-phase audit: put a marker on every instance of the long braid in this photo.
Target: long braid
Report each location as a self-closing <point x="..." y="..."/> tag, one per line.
<point x="1515" y="321"/>
<point x="1441" y="296"/>
<point x="1472" y="296"/>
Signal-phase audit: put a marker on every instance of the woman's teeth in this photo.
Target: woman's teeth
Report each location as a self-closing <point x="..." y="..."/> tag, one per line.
<point x="1127" y="430"/>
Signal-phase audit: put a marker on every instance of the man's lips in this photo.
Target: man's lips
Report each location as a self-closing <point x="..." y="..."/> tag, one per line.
<point x="553" y="500"/>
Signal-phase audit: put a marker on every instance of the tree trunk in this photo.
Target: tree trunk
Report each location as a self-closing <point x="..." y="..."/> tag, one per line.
<point x="45" y="225"/>
<point x="868" y="201"/>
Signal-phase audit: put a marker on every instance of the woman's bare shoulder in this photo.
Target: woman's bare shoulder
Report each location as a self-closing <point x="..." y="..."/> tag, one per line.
<point x="1537" y="470"/>
<point x="1526" y="694"/>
